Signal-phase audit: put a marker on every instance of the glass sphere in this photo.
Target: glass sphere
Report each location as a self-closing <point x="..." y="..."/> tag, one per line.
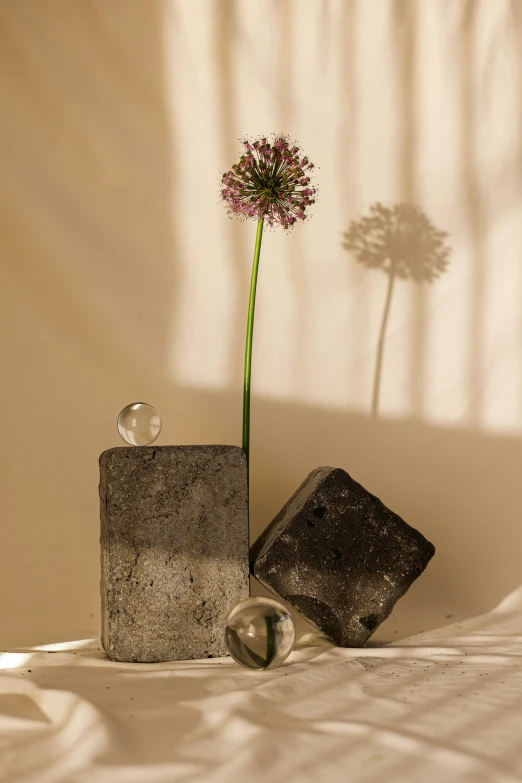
<point x="139" y="424"/>
<point x="259" y="633"/>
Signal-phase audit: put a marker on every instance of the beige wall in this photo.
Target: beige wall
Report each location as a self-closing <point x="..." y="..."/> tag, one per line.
<point x="123" y="279"/>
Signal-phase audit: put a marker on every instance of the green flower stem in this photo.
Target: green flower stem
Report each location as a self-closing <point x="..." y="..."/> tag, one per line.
<point x="248" y="348"/>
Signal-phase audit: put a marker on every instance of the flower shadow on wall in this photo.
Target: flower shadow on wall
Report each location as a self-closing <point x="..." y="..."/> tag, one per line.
<point x="403" y="243"/>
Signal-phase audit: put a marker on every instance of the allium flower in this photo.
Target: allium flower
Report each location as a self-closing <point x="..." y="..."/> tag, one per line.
<point x="269" y="183"/>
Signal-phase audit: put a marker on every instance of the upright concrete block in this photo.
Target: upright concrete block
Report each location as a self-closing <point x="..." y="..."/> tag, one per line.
<point x="174" y="549"/>
<point x="339" y="556"/>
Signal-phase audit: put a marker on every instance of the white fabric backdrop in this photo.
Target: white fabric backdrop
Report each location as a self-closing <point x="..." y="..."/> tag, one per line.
<point x="123" y="279"/>
<point x="442" y="706"/>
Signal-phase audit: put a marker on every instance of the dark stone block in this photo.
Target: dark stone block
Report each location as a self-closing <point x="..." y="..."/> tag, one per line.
<point x="174" y="549"/>
<point x="339" y="556"/>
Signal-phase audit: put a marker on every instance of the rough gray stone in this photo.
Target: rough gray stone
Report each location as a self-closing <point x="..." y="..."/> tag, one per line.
<point x="339" y="556"/>
<point x="174" y="549"/>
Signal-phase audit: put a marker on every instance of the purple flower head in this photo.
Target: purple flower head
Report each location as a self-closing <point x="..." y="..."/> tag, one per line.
<point x="269" y="183"/>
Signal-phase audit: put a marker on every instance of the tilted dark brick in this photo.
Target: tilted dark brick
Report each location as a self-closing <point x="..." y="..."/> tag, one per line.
<point x="339" y="556"/>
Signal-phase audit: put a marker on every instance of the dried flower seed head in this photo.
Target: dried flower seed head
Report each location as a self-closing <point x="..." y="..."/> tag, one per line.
<point x="269" y="183"/>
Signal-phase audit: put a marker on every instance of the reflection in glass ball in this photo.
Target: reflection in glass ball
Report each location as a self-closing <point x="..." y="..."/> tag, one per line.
<point x="259" y="633"/>
<point x="139" y="424"/>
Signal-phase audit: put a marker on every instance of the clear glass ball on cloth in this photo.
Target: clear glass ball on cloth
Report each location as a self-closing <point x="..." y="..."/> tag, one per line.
<point x="139" y="424"/>
<point x="259" y="633"/>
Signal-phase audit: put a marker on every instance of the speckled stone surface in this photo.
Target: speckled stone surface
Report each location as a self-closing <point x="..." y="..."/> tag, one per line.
<point x="174" y="549"/>
<point x="339" y="556"/>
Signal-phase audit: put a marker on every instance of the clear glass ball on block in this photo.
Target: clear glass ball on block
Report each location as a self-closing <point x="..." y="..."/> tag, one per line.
<point x="259" y="633"/>
<point x="139" y="424"/>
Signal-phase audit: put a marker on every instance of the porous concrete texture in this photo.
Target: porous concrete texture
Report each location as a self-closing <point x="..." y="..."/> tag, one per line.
<point x="174" y="549"/>
<point x="339" y="556"/>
